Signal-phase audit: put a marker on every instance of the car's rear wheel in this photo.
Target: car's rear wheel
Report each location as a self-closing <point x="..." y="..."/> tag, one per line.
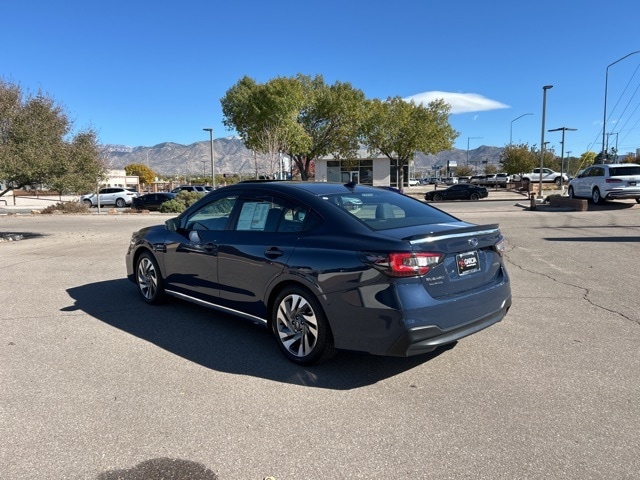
<point x="301" y="327"/>
<point x="637" y="200"/>
<point x="149" y="279"/>
<point x="120" y="203"/>
<point x="595" y="196"/>
<point x="437" y="197"/>
<point x="475" y="196"/>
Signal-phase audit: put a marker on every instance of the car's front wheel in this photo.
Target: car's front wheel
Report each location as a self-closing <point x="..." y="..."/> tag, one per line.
<point x="437" y="197"/>
<point x="301" y="327"/>
<point x="571" y="193"/>
<point x="149" y="279"/>
<point x="87" y="203"/>
<point x="558" y="181"/>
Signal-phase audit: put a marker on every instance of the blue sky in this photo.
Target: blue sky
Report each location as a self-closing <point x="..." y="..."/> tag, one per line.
<point x="141" y="73"/>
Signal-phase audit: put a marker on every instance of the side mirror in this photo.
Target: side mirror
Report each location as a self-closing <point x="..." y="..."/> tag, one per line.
<point x="172" y="224"/>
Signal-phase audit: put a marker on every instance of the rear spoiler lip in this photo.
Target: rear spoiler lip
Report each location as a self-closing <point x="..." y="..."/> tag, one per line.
<point x="454" y="233"/>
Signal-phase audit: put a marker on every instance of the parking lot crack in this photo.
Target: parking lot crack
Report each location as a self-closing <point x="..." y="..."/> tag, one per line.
<point x="585" y="291"/>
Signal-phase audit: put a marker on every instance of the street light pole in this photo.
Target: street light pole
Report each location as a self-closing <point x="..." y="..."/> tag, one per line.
<point x="542" y="145"/>
<point x="511" y="129"/>
<point x="213" y="171"/>
<point x="606" y="82"/>
<point x="468" y="139"/>
<point x="562" y="129"/>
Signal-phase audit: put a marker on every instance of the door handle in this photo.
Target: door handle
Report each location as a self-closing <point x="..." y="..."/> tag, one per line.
<point x="273" y="252"/>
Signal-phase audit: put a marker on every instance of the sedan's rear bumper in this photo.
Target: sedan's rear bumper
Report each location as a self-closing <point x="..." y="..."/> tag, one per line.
<point x="418" y="340"/>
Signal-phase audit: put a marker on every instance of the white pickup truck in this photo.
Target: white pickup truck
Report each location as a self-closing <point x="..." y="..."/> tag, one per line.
<point x="548" y="176"/>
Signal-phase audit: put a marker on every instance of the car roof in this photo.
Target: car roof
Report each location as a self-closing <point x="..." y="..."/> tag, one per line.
<point x="314" y="188"/>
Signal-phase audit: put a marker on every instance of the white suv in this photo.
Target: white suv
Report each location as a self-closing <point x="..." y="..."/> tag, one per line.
<point x="607" y="182"/>
<point x="548" y="176"/>
<point x="118" y="196"/>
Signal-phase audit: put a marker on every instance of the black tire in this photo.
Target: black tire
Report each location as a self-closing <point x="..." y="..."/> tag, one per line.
<point x="637" y="200"/>
<point x="149" y="279"/>
<point x="120" y="203"/>
<point x="301" y="327"/>
<point x="558" y="181"/>
<point x="437" y="197"/>
<point x="595" y="196"/>
<point x="474" y="197"/>
<point x="571" y="193"/>
<point x="87" y="203"/>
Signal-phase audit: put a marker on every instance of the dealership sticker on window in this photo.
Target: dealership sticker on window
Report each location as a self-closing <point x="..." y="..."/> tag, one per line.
<point x="467" y="262"/>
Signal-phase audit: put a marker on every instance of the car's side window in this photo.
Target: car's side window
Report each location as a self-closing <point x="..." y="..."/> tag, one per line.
<point x="212" y="216"/>
<point x="270" y="214"/>
<point x="257" y="215"/>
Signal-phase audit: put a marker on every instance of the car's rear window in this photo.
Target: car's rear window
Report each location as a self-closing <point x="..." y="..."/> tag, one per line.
<point x="624" y="171"/>
<point x="386" y="210"/>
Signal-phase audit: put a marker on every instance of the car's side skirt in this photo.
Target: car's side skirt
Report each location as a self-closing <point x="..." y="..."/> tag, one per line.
<point x="215" y="306"/>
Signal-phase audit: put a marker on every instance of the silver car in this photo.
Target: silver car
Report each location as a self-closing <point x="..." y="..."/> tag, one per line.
<point x="118" y="196"/>
<point x="607" y="182"/>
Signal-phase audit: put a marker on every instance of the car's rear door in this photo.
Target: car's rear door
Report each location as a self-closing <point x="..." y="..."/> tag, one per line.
<point x="263" y="235"/>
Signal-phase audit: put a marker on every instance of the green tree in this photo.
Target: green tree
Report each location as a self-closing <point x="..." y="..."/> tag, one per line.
<point x="300" y="116"/>
<point x="79" y="170"/>
<point x="519" y="159"/>
<point x="144" y="173"/>
<point x="397" y="129"/>
<point x="464" y="171"/>
<point x="37" y="146"/>
<point x="490" y="169"/>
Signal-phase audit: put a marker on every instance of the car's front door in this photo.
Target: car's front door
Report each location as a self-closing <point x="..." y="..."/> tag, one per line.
<point x="191" y="259"/>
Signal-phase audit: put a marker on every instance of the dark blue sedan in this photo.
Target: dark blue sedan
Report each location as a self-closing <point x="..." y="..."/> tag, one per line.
<point x="328" y="266"/>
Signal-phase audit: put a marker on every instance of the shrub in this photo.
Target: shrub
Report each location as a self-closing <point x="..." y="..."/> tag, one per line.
<point x="183" y="200"/>
<point x="172" y="206"/>
<point x="188" y="198"/>
<point x="66" y="207"/>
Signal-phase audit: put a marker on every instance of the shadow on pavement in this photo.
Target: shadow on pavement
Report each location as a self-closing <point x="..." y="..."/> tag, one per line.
<point x="226" y="343"/>
<point x="161" y="469"/>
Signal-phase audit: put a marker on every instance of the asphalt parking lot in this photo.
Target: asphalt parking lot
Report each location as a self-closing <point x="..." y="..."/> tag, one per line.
<point x="98" y="385"/>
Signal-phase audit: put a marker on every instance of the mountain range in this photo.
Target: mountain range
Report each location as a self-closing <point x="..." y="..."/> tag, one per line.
<point x="231" y="156"/>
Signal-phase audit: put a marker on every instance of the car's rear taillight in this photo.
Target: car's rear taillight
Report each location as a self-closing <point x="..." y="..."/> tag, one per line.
<point x="404" y="264"/>
<point x="613" y="180"/>
<point x="499" y="247"/>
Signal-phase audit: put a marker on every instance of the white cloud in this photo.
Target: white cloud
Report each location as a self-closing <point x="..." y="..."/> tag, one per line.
<point x="460" y="102"/>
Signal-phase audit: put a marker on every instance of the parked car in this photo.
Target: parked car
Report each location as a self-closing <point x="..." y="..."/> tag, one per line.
<point x="460" y="191"/>
<point x="392" y="277"/>
<point x="498" y="180"/>
<point x="478" y="179"/>
<point x="413" y="182"/>
<point x="548" y="176"/>
<point x="120" y="197"/>
<point x="152" y="201"/>
<point x="607" y="182"/>
<point x="190" y="188"/>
